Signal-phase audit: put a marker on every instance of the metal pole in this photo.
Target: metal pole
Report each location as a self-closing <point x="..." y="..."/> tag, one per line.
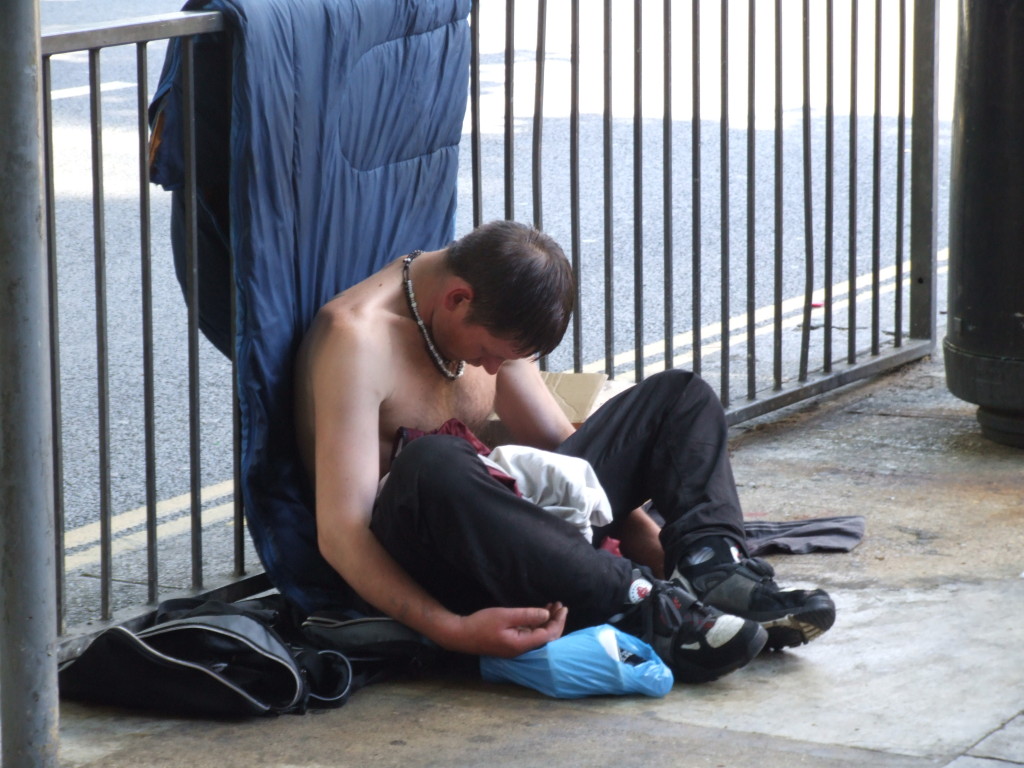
<point x="29" y="711"/>
<point x="923" y="164"/>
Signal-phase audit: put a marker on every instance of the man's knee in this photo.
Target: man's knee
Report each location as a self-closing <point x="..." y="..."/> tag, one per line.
<point x="677" y="382"/>
<point x="675" y="379"/>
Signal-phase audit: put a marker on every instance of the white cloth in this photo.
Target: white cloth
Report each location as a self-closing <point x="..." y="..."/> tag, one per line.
<point x="565" y="486"/>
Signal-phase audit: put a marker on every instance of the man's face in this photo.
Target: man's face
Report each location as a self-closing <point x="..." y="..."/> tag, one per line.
<point x="478" y="346"/>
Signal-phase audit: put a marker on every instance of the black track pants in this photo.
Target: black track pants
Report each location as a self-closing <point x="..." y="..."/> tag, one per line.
<point x="472" y="543"/>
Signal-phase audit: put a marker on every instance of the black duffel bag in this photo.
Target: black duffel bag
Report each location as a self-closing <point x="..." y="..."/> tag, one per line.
<point x="209" y="659"/>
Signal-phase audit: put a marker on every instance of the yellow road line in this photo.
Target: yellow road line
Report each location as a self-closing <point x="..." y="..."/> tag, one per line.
<point x="792" y="311"/>
<point x="91" y="531"/>
<point x="137" y="540"/>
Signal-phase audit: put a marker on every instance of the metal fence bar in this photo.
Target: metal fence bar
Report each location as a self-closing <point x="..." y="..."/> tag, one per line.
<point x="146" y="267"/>
<point x="638" y="186"/>
<point x="510" y="126"/>
<point x="783" y="398"/>
<point x="923" y="170"/>
<point x="829" y="183"/>
<point x="805" y="334"/>
<point x="55" y="386"/>
<point x="476" y="153"/>
<point x="192" y="290"/>
<point x="751" y="201"/>
<point x="538" y="115"/>
<point x="851" y="314"/>
<point x="696" y="257"/>
<point x="239" y="537"/>
<point x="29" y="713"/>
<point x="92" y="40"/>
<point x="726" y="255"/>
<point x="667" y="187"/>
<point x="777" y="313"/>
<point x="102" y="352"/>
<point x="131" y="31"/>
<point x="901" y="141"/>
<point x="876" y="190"/>
<point x="239" y="529"/>
<point x="236" y="433"/>
<point x="607" y="177"/>
<point x="538" y="140"/>
<point x="574" y="184"/>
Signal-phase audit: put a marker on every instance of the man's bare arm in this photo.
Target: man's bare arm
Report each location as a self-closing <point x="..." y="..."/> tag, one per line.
<point x="348" y="389"/>
<point x="640" y="541"/>
<point x="527" y="408"/>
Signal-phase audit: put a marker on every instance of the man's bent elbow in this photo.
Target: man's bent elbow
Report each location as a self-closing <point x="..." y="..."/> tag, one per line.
<point x="337" y="550"/>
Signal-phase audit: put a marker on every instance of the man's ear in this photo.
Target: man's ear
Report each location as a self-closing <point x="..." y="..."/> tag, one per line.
<point x="459" y="293"/>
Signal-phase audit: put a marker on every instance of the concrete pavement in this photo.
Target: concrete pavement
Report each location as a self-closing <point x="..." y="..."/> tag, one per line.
<point x="924" y="667"/>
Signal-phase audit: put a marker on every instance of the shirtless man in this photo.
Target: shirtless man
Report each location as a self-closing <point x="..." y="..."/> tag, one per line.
<point x="458" y="557"/>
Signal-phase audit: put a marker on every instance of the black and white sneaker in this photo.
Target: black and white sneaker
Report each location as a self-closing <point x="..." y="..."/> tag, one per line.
<point x="698" y="643"/>
<point x="747" y="588"/>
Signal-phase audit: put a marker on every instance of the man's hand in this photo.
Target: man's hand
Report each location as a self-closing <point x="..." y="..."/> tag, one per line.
<point x="508" y="632"/>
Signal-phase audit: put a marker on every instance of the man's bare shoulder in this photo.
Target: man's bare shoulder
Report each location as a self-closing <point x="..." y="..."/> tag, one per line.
<point x="359" y="319"/>
<point x="346" y="358"/>
<point x="349" y="336"/>
<point x="340" y="318"/>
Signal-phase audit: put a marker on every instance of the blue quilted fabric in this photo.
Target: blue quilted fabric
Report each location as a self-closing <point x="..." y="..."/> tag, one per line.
<point x="328" y="135"/>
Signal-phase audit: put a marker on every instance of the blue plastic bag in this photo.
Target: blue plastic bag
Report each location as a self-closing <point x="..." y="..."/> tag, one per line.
<point x="595" y="661"/>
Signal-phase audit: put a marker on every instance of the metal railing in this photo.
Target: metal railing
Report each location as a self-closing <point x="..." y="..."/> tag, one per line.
<point x="666" y="235"/>
<point x="90" y="543"/>
<point x="777" y="251"/>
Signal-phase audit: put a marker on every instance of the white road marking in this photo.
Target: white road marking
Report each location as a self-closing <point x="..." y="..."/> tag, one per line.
<point x="83" y="90"/>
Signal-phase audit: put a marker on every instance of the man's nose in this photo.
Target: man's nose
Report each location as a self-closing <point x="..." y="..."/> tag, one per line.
<point x="492" y="364"/>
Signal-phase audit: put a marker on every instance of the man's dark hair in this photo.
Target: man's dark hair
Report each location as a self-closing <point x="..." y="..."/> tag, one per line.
<point x="522" y="284"/>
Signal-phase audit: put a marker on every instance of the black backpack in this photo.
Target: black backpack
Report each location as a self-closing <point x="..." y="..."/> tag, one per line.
<point x="226" y="660"/>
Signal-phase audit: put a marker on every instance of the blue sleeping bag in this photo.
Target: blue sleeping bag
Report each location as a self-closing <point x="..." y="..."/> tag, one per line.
<point x="327" y="143"/>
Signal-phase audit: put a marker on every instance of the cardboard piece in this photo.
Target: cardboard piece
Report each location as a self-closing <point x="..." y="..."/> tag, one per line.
<point x="576" y="393"/>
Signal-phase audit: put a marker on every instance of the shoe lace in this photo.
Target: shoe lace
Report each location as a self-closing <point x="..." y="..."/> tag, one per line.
<point x="675" y="606"/>
<point x="666" y="601"/>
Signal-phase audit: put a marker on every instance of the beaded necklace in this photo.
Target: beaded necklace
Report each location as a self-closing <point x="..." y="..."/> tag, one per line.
<point x="444" y="366"/>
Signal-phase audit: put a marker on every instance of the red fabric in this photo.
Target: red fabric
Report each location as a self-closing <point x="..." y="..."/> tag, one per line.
<point x="611" y="545"/>
<point x="456" y="428"/>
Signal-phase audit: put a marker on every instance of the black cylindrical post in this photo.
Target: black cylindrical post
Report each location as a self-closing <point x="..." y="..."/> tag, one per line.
<point x="984" y="345"/>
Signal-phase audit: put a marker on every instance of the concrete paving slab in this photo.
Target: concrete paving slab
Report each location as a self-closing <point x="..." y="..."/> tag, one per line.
<point x="977" y="762"/>
<point x="913" y="672"/>
<point x="90" y="735"/>
<point x="468" y="723"/>
<point x="1005" y="744"/>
